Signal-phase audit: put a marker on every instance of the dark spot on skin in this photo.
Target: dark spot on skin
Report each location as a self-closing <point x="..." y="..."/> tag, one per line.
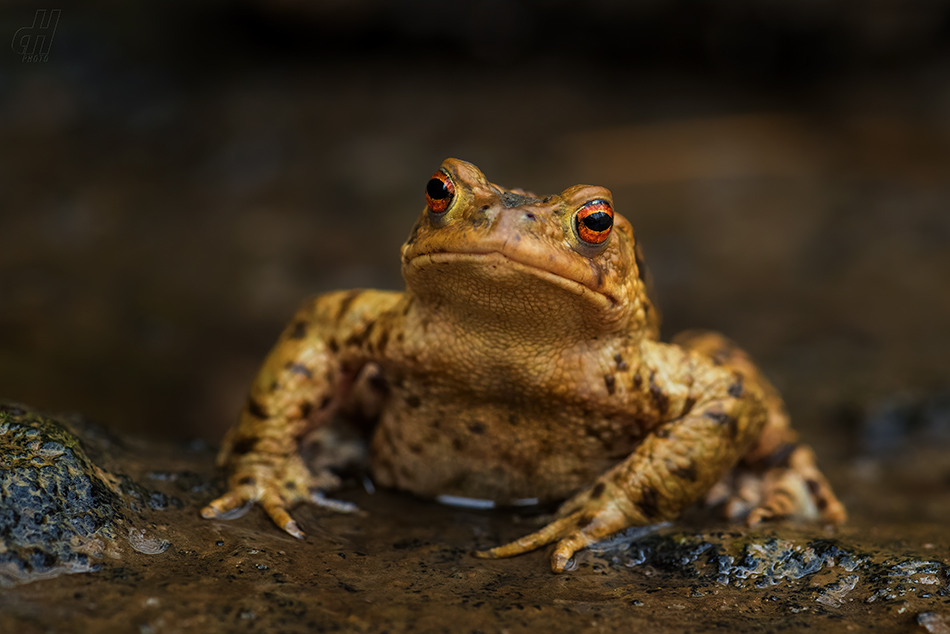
<point x="725" y="419"/>
<point x="416" y="449"/>
<point x="621" y="364"/>
<point x="547" y="199"/>
<point x="290" y="485"/>
<point x="247" y="481"/>
<point x="457" y="444"/>
<point x="637" y="380"/>
<point x="598" y="274"/>
<point x="379" y="383"/>
<point x="369" y="330"/>
<point x="687" y="473"/>
<point x="353" y="341"/>
<point x="476" y="428"/>
<point x="597" y="491"/>
<point x="407" y="308"/>
<point x="610" y="382"/>
<point x="333" y="345"/>
<point x="822" y="504"/>
<point x="660" y="400"/>
<point x="400" y="337"/>
<point x="414" y="232"/>
<point x="636" y="426"/>
<point x="325" y="402"/>
<point x="273" y="386"/>
<point x="584" y="521"/>
<point x="813" y="486"/>
<point x="424" y="321"/>
<point x="720" y="356"/>
<point x="405" y="474"/>
<point x="649" y="503"/>
<point x="255" y="409"/>
<point x="688" y="405"/>
<point x="513" y="419"/>
<point x="529" y="468"/>
<point x="305" y="409"/>
<point x="346" y="302"/>
<point x="641" y="264"/>
<point x="779" y="457"/>
<point x="544" y="450"/>
<point x="299" y="368"/>
<point x="735" y="390"/>
<point x="383" y="341"/>
<point x="243" y="446"/>
<point x="413" y="401"/>
<point x="299" y="330"/>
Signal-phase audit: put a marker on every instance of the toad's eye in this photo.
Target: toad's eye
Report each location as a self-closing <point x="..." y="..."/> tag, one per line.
<point x="439" y="192"/>
<point x="594" y="221"/>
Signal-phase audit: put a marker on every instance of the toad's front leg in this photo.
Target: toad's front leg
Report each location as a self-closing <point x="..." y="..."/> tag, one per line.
<point x="303" y="381"/>
<point x="671" y="469"/>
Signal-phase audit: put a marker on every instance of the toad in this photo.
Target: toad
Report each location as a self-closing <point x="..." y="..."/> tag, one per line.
<point x="522" y="362"/>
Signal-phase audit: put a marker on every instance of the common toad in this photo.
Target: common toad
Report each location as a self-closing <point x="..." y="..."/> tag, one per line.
<point x="522" y="362"/>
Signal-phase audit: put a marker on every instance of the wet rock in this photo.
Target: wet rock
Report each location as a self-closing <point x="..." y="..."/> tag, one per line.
<point x="823" y="570"/>
<point x="60" y="511"/>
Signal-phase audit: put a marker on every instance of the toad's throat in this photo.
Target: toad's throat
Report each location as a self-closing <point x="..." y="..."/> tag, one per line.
<point x="558" y="276"/>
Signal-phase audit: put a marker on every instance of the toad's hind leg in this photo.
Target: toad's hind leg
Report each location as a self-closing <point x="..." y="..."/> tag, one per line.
<point x="778" y="476"/>
<point x="670" y="468"/>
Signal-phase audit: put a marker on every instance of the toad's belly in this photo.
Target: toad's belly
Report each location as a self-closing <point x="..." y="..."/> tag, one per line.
<point x="492" y="452"/>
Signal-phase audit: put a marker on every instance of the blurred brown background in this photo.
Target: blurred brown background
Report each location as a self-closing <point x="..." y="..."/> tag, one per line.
<point x="176" y="178"/>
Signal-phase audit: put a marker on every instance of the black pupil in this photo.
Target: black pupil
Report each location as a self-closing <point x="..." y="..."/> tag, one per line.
<point x="598" y="221"/>
<point x="437" y="190"/>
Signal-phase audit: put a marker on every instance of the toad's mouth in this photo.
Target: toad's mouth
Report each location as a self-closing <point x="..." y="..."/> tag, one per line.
<point x="553" y="271"/>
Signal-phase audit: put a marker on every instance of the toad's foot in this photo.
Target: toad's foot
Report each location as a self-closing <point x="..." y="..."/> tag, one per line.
<point x="277" y="483"/>
<point x="793" y="488"/>
<point x="797" y="490"/>
<point x="575" y="531"/>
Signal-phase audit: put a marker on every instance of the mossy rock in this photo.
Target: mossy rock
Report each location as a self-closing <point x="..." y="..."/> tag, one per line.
<point x="59" y="510"/>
